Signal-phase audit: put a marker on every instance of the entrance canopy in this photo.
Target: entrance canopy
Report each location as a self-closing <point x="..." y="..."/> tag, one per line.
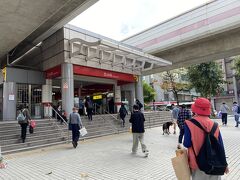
<point x="115" y="53"/>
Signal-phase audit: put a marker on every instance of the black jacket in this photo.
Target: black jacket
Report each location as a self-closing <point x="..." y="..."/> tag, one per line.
<point x="137" y="119"/>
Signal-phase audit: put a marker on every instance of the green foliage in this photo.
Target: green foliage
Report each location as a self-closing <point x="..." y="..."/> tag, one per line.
<point x="206" y="78"/>
<point x="148" y="92"/>
<point x="172" y="81"/>
<point x="237" y="65"/>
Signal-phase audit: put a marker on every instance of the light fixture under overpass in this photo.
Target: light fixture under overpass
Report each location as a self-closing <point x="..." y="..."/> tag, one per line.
<point x="116" y="53"/>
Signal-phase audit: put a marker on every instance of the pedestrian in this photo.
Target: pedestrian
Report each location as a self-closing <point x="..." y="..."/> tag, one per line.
<point x="111" y="106"/>
<point x="175" y="112"/>
<point x="122" y="113"/>
<point x="76" y="124"/>
<point x="154" y="106"/>
<point x="59" y="112"/>
<point x="224" y="110"/>
<point x="23" y="119"/>
<point x="89" y="107"/>
<point x="194" y="139"/>
<point x="139" y="104"/>
<point x="137" y="119"/>
<point x="183" y="115"/>
<point x="235" y="110"/>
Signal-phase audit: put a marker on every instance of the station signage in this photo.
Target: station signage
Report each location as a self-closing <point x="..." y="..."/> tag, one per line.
<point x="102" y="73"/>
<point x="96" y="97"/>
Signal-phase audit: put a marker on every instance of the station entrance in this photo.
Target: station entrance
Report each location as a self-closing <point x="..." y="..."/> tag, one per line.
<point x="101" y="92"/>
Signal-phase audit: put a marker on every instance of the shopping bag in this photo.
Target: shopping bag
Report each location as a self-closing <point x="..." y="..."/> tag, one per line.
<point x="180" y="165"/>
<point x="130" y="129"/>
<point x="83" y="131"/>
<point x="33" y="123"/>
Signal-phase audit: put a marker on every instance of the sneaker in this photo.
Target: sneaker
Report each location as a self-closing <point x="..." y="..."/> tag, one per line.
<point x="134" y="153"/>
<point x="179" y="146"/>
<point x="74" y="144"/>
<point x="146" y="153"/>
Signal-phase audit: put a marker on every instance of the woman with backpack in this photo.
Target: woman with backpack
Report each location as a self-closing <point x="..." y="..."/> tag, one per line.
<point x="122" y="113"/>
<point x="202" y="137"/>
<point x="23" y="118"/>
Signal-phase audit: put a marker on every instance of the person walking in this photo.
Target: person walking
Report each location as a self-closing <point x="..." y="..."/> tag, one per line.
<point x="236" y="112"/>
<point x="182" y="116"/>
<point x="139" y="104"/>
<point x="194" y="138"/>
<point x="122" y="113"/>
<point x="175" y="112"/>
<point x="137" y="119"/>
<point x="75" y="124"/>
<point x="89" y="107"/>
<point x="23" y="119"/>
<point x="224" y="110"/>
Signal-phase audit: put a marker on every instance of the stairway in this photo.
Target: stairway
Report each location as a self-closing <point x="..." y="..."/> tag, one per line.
<point x="50" y="132"/>
<point x="45" y="133"/>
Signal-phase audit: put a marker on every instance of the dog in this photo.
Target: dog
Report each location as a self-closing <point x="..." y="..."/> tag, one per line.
<point x="166" y="127"/>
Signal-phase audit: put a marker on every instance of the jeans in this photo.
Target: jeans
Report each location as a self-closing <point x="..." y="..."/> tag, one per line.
<point x="181" y="136"/>
<point x="236" y="119"/>
<point x="224" y="118"/>
<point x="75" y="132"/>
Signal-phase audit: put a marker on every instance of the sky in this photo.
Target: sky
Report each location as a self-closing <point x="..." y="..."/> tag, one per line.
<point x="119" y="19"/>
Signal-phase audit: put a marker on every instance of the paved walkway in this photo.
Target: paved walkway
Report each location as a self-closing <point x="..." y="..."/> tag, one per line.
<point x="110" y="158"/>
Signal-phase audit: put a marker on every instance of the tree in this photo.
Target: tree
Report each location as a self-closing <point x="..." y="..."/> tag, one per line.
<point x="206" y="78"/>
<point x="172" y="82"/>
<point x="148" y="92"/>
<point x="237" y="65"/>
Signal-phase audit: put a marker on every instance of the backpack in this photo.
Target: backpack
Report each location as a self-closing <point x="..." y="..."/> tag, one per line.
<point x="90" y="105"/>
<point x="211" y="158"/>
<point x="238" y="109"/>
<point x="21" y="118"/>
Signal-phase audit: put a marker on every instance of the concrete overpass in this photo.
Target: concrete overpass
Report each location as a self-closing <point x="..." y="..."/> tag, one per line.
<point x="25" y="23"/>
<point x="208" y="32"/>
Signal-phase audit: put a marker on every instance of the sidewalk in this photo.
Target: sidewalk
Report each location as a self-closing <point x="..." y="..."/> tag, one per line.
<point x="110" y="158"/>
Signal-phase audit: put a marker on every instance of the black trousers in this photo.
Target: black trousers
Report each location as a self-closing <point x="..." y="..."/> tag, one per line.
<point x="89" y="114"/>
<point x="224" y="118"/>
<point x="180" y="138"/>
<point x="75" y="132"/>
<point x="23" y="130"/>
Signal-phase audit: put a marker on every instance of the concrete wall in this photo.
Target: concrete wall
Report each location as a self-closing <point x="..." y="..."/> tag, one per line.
<point x="71" y="32"/>
<point x="47" y="55"/>
<point x="25" y="76"/>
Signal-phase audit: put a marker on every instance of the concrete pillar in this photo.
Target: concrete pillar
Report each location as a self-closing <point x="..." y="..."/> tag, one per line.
<point x="9" y="100"/>
<point x="67" y="88"/>
<point x="47" y="97"/>
<point x="139" y="90"/>
<point x="117" y="96"/>
<point x="133" y="95"/>
<point x="235" y="87"/>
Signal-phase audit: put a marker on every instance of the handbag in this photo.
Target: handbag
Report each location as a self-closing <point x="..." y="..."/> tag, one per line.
<point x="83" y="131"/>
<point x="180" y="165"/>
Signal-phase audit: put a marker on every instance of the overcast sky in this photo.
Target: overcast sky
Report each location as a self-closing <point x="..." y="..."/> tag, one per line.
<point x="119" y="19"/>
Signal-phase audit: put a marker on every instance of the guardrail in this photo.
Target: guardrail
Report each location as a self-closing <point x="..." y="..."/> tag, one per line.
<point x="55" y="123"/>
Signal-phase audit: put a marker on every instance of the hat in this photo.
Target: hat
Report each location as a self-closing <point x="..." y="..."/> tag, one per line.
<point x="201" y="106"/>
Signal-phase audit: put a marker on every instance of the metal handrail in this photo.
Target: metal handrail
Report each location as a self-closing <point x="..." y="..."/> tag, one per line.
<point x="65" y="123"/>
<point x="111" y="115"/>
<point x="116" y="129"/>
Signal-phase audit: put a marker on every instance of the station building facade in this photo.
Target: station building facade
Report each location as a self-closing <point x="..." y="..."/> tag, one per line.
<point x="68" y="66"/>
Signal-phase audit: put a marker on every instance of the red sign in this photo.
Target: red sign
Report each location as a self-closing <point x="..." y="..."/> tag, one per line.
<point x="53" y="72"/>
<point x="89" y="71"/>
